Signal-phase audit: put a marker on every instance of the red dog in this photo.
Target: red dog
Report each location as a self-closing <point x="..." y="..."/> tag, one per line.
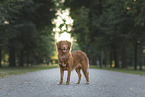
<point x="71" y="60"/>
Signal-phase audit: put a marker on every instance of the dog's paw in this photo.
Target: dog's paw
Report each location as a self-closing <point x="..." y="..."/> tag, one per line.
<point x="60" y="83"/>
<point x="78" y="83"/>
<point x="87" y="82"/>
<point x="67" y="83"/>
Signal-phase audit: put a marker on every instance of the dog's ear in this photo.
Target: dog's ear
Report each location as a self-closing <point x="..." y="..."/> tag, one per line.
<point x="69" y="44"/>
<point x="58" y="45"/>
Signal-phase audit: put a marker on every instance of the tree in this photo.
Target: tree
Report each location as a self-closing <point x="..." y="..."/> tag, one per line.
<point x="2" y="28"/>
<point x="137" y="9"/>
<point x="105" y="26"/>
<point x="27" y="21"/>
<point x="6" y="12"/>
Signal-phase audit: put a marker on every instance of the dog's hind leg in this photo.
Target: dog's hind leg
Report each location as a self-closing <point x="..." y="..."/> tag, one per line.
<point x="86" y="74"/>
<point x="85" y="70"/>
<point x="78" y="69"/>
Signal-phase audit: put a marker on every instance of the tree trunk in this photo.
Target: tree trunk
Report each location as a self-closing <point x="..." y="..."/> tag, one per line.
<point x="123" y="57"/>
<point x="101" y="59"/>
<point x="0" y="57"/>
<point x="141" y="56"/>
<point x="105" y="59"/>
<point x="21" y="62"/>
<point x="116" y="57"/>
<point x="135" y="57"/>
<point x="28" y="57"/>
<point x="12" y="59"/>
<point x="111" y="57"/>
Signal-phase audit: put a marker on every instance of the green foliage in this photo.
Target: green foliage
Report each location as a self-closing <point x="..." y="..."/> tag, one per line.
<point x="75" y="46"/>
<point x="27" y="34"/>
<point x="108" y="26"/>
<point x="7" y="71"/>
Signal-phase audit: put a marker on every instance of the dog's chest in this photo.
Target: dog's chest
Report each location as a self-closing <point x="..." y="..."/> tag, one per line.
<point x="64" y="62"/>
<point x="63" y="59"/>
<point x="65" y="66"/>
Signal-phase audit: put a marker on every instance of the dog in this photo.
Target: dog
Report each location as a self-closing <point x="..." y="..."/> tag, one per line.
<point x="69" y="61"/>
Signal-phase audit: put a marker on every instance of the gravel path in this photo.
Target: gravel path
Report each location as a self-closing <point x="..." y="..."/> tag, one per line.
<point x="44" y="84"/>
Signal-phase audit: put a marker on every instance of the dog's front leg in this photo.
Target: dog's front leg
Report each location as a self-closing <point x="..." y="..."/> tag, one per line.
<point x="68" y="77"/>
<point x="61" y="78"/>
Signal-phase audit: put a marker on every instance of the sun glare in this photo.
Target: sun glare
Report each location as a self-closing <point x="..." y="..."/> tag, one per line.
<point x="63" y="36"/>
<point x="61" y="16"/>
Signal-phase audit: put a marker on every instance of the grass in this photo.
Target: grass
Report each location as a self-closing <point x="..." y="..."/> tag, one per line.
<point x="129" y="70"/>
<point x="7" y="71"/>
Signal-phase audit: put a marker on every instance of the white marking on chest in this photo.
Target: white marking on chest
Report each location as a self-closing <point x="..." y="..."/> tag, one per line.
<point x="64" y="65"/>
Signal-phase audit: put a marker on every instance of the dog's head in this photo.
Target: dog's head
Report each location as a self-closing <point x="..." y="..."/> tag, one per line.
<point x="63" y="46"/>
